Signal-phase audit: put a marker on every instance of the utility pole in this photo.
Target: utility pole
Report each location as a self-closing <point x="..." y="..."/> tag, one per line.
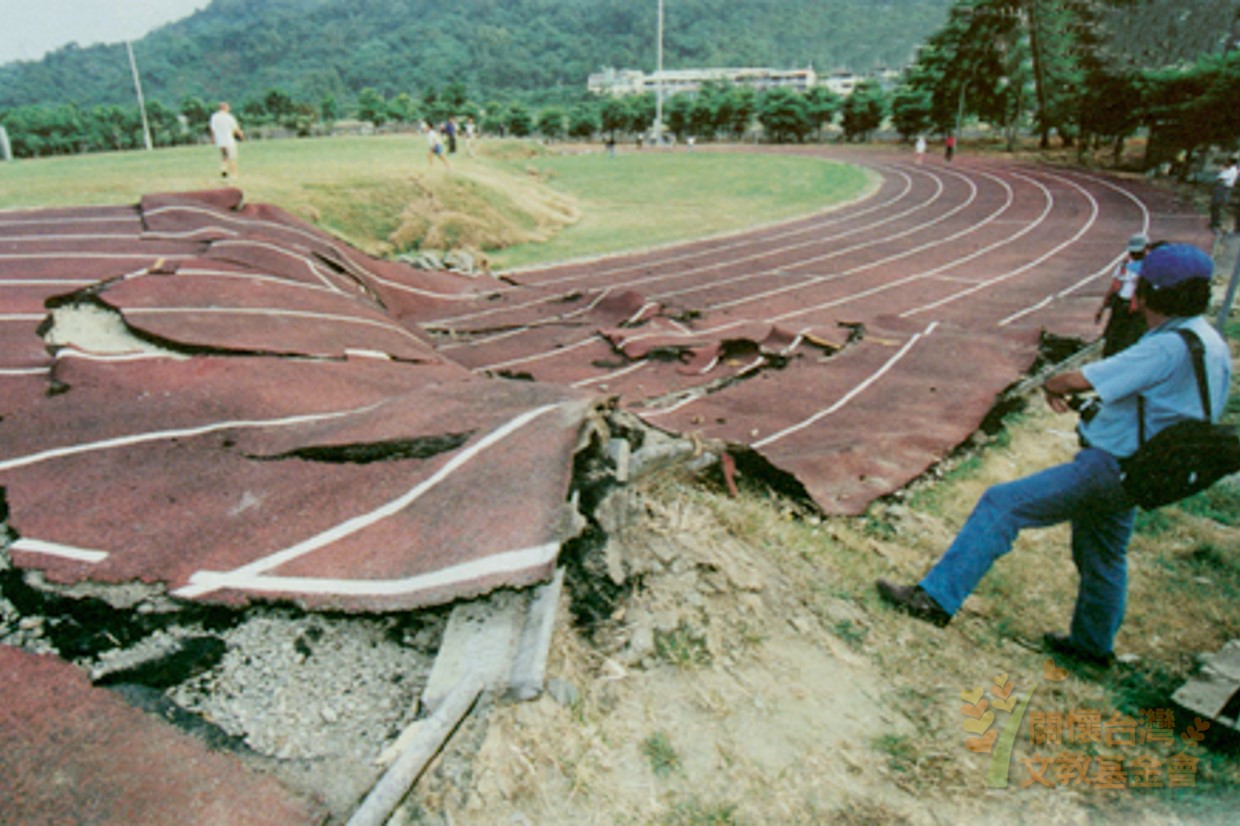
<point x="658" y="99"/>
<point x="137" y="85"/>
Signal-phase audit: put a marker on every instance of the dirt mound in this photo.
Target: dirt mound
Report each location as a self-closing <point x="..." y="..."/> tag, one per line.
<point x="463" y="211"/>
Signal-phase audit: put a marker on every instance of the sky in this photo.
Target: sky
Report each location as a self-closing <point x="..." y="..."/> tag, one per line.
<point x="30" y="29"/>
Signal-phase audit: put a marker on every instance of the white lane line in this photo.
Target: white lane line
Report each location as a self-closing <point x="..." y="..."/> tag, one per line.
<point x="744" y="238"/>
<point x="615" y="374"/>
<point x="1026" y="228"/>
<point x="197" y="272"/>
<point x="48" y="282"/>
<point x="508" y="562"/>
<point x="83" y="236"/>
<point x="22" y="316"/>
<point x="239" y="220"/>
<point x="422" y="291"/>
<point x="547" y="322"/>
<point x="317" y="239"/>
<point x="1105" y="270"/>
<point x="814" y="280"/>
<point x="95" y="256"/>
<point x="130" y="218"/>
<point x="190" y="235"/>
<point x="38" y="546"/>
<point x="567" y="348"/>
<point x="284" y="251"/>
<point x="789" y="269"/>
<point x="176" y="433"/>
<point x="1052" y="252"/>
<point x="851" y="394"/>
<point x="760" y="296"/>
<point x="269" y="312"/>
<point x="23" y="371"/>
<point x="203" y="582"/>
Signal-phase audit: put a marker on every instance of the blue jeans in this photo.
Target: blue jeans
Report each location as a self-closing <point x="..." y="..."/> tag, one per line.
<point x="1086" y="492"/>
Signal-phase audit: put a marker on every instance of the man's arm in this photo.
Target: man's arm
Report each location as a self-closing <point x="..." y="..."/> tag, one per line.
<point x="1061" y="385"/>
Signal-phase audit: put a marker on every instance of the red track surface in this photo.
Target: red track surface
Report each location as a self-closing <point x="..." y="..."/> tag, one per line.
<point x="72" y="753"/>
<point x="949" y="273"/>
<point x="249" y="465"/>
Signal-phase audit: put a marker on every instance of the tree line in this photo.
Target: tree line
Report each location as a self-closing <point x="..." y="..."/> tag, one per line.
<point x="719" y="110"/>
<point x="1076" y="71"/>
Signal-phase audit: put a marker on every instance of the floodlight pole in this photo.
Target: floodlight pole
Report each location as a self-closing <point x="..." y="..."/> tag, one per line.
<point x="658" y="100"/>
<point x="137" y="85"/>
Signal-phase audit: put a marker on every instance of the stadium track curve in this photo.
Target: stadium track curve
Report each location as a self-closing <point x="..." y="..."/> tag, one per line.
<point x="852" y="347"/>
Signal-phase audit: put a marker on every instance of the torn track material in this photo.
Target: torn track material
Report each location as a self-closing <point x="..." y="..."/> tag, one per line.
<point x="280" y="344"/>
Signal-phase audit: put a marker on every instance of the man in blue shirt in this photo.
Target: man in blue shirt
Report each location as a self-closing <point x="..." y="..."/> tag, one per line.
<point x="1172" y="293"/>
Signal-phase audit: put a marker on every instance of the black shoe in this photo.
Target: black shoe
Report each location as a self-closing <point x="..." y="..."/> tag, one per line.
<point x="912" y="600"/>
<point x="1060" y="644"/>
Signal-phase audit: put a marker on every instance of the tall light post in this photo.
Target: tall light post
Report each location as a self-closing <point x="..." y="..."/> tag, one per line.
<point x="137" y="85"/>
<point x="658" y="98"/>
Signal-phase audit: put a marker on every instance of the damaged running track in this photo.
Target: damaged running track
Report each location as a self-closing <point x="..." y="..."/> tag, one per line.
<point x="850" y="349"/>
<point x="297" y="421"/>
<point x="272" y="430"/>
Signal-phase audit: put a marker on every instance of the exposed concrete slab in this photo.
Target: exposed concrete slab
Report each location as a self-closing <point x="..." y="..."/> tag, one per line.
<point x="504" y="639"/>
<point x="1215" y="692"/>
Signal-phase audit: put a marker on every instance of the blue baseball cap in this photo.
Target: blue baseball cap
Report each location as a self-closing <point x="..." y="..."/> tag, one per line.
<point x="1173" y="264"/>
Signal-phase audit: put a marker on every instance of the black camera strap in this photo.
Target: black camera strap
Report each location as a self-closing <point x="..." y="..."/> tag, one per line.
<point x="1197" y="352"/>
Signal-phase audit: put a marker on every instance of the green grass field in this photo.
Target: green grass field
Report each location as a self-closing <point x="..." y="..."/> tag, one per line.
<point x="522" y="203"/>
<point x="642" y="199"/>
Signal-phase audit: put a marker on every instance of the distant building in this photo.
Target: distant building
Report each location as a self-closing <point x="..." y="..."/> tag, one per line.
<point x="842" y="83"/>
<point x="622" y="82"/>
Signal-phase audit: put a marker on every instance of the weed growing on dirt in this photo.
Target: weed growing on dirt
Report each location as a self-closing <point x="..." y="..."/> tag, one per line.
<point x="683" y="647"/>
<point x="899" y="749"/>
<point x="695" y="813"/>
<point x="660" y="754"/>
<point x="850" y="633"/>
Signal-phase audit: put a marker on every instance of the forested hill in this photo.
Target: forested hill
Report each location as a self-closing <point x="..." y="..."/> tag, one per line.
<point x="313" y="49"/>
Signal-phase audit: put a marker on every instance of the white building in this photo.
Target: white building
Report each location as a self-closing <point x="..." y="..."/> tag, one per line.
<point x="622" y="82"/>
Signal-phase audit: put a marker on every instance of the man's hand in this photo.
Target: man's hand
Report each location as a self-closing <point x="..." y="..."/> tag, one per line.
<point x="1059" y="387"/>
<point x="1057" y="401"/>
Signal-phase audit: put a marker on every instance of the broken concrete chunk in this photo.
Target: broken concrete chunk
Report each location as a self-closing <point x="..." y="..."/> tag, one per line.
<point x="1214" y="693"/>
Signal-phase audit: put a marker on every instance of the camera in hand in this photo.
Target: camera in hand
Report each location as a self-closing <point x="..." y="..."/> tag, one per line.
<point x="1086" y="406"/>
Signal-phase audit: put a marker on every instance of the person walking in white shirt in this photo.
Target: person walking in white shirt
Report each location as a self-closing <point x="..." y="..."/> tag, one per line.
<point x="226" y="132"/>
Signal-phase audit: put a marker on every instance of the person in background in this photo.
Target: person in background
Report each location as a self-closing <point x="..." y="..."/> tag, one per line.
<point x="919" y="148"/>
<point x="1125" y="324"/>
<point x="225" y="131"/>
<point x="449" y="130"/>
<point x="434" y="146"/>
<point x="1173" y="293"/>
<point x="949" y="147"/>
<point x="1224" y="186"/>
